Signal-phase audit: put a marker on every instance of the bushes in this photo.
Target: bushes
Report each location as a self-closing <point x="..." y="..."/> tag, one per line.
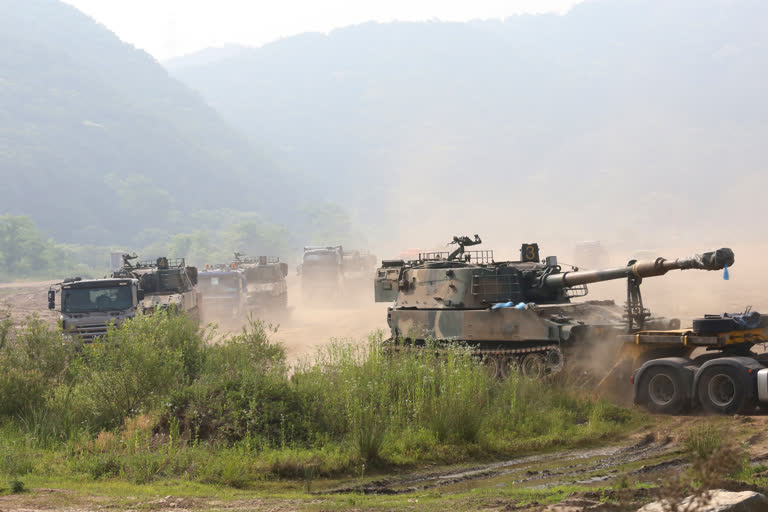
<point x="133" y="370"/>
<point x="244" y="392"/>
<point x="32" y="361"/>
<point x="155" y="399"/>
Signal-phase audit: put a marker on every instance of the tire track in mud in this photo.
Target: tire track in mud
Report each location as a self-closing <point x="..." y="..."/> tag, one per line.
<point x="535" y="471"/>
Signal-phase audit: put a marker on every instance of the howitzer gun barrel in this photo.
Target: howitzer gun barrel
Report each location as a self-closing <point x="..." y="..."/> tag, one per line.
<point x="714" y="260"/>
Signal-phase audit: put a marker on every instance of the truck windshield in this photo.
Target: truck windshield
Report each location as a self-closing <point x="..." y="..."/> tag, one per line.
<point x="86" y="300"/>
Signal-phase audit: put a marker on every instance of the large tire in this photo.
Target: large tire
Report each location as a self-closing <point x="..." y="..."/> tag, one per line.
<point x="721" y="390"/>
<point x="662" y="390"/>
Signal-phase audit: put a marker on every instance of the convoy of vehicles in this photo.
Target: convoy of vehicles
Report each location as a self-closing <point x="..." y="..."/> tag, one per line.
<point x="515" y="314"/>
<point x="89" y="306"/>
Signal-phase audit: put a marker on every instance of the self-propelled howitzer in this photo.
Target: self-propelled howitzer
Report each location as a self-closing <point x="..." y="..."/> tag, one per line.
<point x="517" y="312"/>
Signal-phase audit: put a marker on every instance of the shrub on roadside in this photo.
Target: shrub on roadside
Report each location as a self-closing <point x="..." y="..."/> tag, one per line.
<point x="154" y="399"/>
<point x="32" y="361"/>
<point x="133" y="369"/>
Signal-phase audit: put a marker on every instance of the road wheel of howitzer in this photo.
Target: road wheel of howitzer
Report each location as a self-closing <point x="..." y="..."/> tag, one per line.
<point x="554" y="361"/>
<point x="500" y="366"/>
<point x="662" y="390"/>
<point x="721" y="391"/>
<point x="534" y="365"/>
<point x="492" y="364"/>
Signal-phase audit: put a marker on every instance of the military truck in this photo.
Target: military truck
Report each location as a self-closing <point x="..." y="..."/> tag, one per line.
<point x="322" y="274"/>
<point x="517" y="313"/>
<point x="223" y="293"/>
<point x="266" y="287"/>
<point x="167" y="283"/>
<point x="726" y="377"/>
<point x="358" y="267"/>
<point x="89" y="306"/>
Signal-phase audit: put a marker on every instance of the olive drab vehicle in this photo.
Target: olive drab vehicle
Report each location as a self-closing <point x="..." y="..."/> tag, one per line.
<point x="167" y="283"/>
<point x="322" y="274"/>
<point x="516" y="313"/>
<point x="358" y="269"/>
<point x="223" y="293"/>
<point x="266" y="287"/>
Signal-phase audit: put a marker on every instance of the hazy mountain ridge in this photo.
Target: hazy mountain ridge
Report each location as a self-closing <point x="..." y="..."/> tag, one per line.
<point x="97" y="140"/>
<point x="651" y="111"/>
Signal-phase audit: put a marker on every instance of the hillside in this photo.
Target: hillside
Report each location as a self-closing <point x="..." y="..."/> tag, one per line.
<point x="620" y="118"/>
<point x="97" y="142"/>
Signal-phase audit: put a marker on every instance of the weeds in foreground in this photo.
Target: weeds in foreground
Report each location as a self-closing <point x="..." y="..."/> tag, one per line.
<point x="155" y="400"/>
<point x="714" y="459"/>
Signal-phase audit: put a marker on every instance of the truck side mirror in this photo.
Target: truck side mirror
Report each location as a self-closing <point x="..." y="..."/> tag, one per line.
<point x="51" y="299"/>
<point x="140" y="294"/>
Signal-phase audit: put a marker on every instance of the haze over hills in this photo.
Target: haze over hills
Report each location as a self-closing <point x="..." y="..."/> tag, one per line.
<point x="632" y="119"/>
<point x="97" y="142"/>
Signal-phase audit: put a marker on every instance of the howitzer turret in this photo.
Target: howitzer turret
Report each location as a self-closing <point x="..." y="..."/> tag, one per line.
<point x="516" y="309"/>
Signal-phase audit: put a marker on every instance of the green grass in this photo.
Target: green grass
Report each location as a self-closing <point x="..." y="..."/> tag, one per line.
<point x="155" y="402"/>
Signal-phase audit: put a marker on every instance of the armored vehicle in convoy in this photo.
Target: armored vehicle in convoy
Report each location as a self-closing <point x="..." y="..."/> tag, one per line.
<point x="266" y="287"/>
<point x="167" y="283"/>
<point x="322" y="274"/>
<point x="358" y="268"/>
<point x="223" y="293"/>
<point x="89" y="306"/>
<point x="517" y="313"/>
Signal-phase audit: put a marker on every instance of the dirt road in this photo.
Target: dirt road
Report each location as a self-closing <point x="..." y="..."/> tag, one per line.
<point x="24" y="298"/>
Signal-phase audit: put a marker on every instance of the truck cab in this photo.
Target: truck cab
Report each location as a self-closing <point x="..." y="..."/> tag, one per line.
<point x="88" y="307"/>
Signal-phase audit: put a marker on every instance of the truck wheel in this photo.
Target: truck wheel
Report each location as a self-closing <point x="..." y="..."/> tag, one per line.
<point x="661" y="390"/>
<point x="721" y="390"/>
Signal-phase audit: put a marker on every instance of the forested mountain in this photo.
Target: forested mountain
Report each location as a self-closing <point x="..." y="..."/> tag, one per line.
<point x="98" y="143"/>
<point x="622" y="116"/>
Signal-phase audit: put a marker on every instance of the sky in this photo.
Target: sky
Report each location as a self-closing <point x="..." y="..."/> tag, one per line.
<point x="171" y="28"/>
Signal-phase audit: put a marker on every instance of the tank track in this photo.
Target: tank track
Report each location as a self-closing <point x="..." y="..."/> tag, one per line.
<point x="537" y="361"/>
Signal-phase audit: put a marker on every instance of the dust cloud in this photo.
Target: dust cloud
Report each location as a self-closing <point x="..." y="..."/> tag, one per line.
<point x="302" y="328"/>
<point x="679" y="294"/>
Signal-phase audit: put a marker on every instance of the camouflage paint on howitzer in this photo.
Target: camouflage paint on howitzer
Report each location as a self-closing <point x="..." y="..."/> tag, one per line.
<point x="554" y="323"/>
<point x="452" y="299"/>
